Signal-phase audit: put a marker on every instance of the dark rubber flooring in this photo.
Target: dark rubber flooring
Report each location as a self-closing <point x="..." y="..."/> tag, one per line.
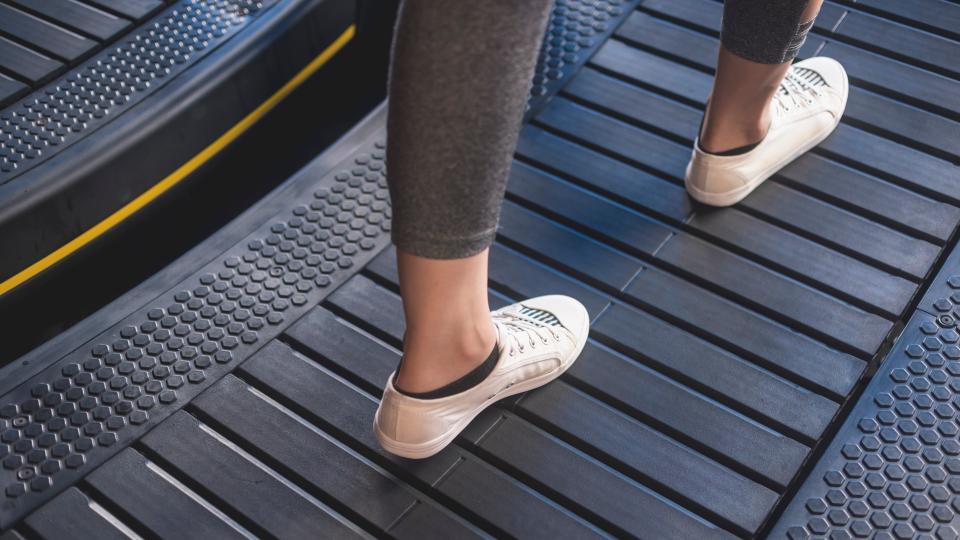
<point x="727" y="348"/>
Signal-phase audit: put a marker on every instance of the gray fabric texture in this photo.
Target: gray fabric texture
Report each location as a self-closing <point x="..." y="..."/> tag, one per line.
<point x="764" y="31"/>
<point x="459" y="80"/>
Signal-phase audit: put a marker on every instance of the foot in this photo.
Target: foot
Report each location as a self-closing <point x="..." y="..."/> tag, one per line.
<point x="538" y="339"/>
<point x="805" y="109"/>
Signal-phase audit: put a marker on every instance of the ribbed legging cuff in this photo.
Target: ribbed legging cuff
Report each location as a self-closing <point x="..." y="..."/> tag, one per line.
<point x="443" y="248"/>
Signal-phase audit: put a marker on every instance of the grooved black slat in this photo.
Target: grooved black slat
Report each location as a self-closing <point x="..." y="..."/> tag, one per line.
<point x="904" y="123"/>
<point x="419" y="523"/>
<point x="69" y="515"/>
<point x="704" y="15"/>
<point x="890" y="160"/>
<point x="706" y="366"/>
<point x="936" y="14"/>
<point x="372" y="304"/>
<point x="684" y="472"/>
<point x="81" y="17"/>
<point x="42" y="35"/>
<point x="730" y="437"/>
<point x="895" y="250"/>
<point x="272" y="507"/>
<point x="10" y="89"/>
<point x="839" y="272"/>
<point x="143" y="494"/>
<point x="773" y="345"/>
<point x="873" y="197"/>
<point x="855" y="328"/>
<point x="611" y="177"/>
<point x="612" y="498"/>
<point x="475" y="485"/>
<point x="342" y="479"/>
<point x="666" y="157"/>
<point x="653" y="71"/>
<point x="511" y="271"/>
<point x="820" y="312"/>
<point x="21" y="62"/>
<point x="132" y="9"/>
<point x="625" y="100"/>
<point x="591" y="258"/>
<point x="933" y="51"/>
<point x="305" y="454"/>
<point x="619" y="226"/>
<point x="913" y="85"/>
<point x="653" y="33"/>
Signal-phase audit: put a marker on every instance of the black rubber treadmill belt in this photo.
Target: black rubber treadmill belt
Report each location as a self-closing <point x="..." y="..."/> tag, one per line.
<point x="132" y="9"/>
<point x="78" y="16"/>
<point x="725" y="344"/>
<point x="10" y="89"/>
<point x="42" y="35"/>
<point x="25" y="64"/>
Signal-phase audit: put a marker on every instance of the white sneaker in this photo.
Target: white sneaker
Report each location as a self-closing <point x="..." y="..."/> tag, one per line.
<point x="805" y="109"/>
<point x="538" y="340"/>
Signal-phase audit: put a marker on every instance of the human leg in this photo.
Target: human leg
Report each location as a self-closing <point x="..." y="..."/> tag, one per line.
<point x="459" y="81"/>
<point x="460" y="78"/>
<point x="763" y="111"/>
<point x="759" y="42"/>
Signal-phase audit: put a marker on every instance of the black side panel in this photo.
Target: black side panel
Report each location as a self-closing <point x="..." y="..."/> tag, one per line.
<point x="156" y="122"/>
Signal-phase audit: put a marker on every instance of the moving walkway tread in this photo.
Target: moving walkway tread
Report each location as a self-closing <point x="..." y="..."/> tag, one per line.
<point x="701" y="400"/>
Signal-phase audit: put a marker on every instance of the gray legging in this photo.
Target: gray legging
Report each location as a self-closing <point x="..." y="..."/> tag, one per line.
<point x="459" y="81"/>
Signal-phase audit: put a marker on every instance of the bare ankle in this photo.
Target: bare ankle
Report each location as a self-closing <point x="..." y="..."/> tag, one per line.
<point x="723" y="136"/>
<point x="436" y="357"/>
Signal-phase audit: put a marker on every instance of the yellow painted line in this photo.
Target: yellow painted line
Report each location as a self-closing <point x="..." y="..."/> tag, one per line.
<point x="181" y="172"/>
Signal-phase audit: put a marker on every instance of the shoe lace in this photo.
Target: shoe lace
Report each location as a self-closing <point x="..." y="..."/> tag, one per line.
<point x="522" y="330"/>
<point x="795" y="92"/>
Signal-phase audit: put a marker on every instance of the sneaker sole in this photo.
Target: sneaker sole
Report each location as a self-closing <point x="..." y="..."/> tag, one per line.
<point x="430" y="448"/>
<point x="729" y="198"/>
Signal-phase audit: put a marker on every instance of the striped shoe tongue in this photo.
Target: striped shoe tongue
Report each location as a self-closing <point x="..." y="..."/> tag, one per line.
<point x="544" y="317"/>
<point x="810" y="76"/>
